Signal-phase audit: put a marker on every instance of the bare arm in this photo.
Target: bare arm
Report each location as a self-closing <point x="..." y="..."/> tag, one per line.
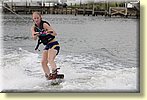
<point x="34" y="34"/>
<point x="49" y="29"/>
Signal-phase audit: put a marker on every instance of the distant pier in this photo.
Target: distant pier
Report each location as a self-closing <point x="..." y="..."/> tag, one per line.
<point x="104" y="9"/>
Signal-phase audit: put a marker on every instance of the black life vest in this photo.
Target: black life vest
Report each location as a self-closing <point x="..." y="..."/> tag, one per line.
<point x="40" y="28"/>
<point x="43" y="38"/>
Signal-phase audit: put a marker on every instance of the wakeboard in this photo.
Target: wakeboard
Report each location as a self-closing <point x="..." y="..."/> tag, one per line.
<point x="58" y="80"/>
<point x="60" y="76"/>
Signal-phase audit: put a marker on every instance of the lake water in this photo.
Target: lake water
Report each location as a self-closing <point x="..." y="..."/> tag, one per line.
<point x="98" y="54"/>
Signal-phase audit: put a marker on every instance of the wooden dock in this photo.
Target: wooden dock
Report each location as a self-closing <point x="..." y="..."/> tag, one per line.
<point x="84" y="9"/>
<point x="54" y="10"/>
<point x="90" y="12"/>
<point x="122" y="11"/>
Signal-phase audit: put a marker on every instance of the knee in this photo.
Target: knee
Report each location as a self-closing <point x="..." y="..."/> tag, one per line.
<point x="44" y="62"/>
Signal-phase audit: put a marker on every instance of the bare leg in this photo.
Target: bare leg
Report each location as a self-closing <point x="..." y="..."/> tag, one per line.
<point x="51" y="57"/>
<point x="44" y="62"/>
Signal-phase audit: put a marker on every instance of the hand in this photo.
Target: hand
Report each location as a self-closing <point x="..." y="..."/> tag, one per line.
<point x="37" y="34"/>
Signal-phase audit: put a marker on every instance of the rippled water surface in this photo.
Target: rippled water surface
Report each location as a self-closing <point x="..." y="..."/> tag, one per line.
<point x="97" y="54"/>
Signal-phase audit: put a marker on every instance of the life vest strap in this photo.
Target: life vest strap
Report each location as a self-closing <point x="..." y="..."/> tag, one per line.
<point x="45" y="39"/>
<point x="38" y="43"/>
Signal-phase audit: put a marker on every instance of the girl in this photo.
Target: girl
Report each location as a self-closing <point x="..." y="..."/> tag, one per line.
<point x="46" y="34"/>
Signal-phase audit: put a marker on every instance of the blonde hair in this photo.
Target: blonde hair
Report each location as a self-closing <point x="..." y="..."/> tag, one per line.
<point x="38" y="13"/>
